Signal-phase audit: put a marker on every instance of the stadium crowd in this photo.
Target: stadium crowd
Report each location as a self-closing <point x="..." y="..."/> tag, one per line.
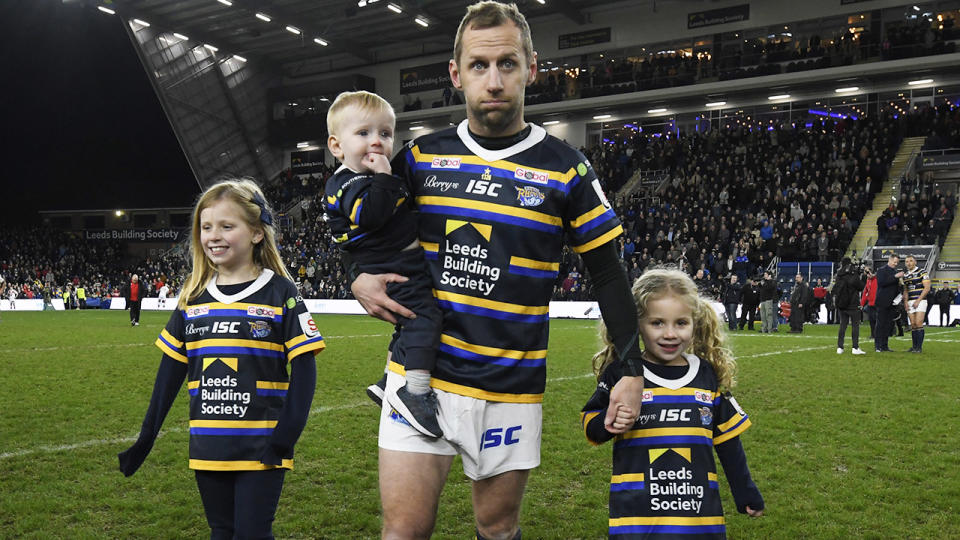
<point x="726" y="202"/>
<point x="781" y="52"/>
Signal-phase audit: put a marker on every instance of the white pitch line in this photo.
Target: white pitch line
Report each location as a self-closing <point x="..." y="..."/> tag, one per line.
<point x="49" y="448"/>
<point x="315" y="410"/>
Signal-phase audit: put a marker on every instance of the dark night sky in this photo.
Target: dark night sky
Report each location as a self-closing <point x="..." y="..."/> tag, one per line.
<point x="83" y="128"/>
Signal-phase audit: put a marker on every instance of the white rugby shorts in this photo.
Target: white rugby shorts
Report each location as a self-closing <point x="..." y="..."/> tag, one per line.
<point x="921" y="307"/>
<point x="491" y="437"/>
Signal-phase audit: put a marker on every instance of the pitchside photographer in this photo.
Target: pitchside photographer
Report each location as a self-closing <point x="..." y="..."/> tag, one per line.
<point x="849" y="283"/>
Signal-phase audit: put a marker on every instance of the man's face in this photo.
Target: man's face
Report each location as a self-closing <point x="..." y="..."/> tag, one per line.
<point x="892" y="262"/>
<point x="493" y="72"/>
<point x="910" y="263"/>
<point x="798" y="279"/>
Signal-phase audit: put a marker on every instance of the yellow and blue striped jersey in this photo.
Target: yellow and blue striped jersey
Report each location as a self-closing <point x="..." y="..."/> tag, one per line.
<point x="664" y="483"/>
<point x="913" y="282"/>
<point x="492" y="225"/>
<point x="237" y="348"/>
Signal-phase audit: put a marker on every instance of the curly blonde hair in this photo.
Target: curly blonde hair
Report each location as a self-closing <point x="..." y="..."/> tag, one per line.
<point x="709" y="340"/>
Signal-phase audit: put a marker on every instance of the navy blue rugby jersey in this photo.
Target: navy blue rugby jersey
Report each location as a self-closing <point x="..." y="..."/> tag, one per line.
<point x="492" y="224"/>
<point x="368" y="214"/>
<point x="664" y="483"/>
<point x="236" y="348"/>
<point x="913" y="282"/>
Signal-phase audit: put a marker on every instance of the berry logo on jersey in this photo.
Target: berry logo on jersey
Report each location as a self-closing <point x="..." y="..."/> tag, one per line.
<point x="260" y="311"/>
<point x="529" y="196"/>
<point x="197" y="311"/>
<point x="703" y="397"/>
<point x="259" y="329"/>
<point x="531" y="175"/>
<point x="706" y="416"/>
<point x="443" y="162"/>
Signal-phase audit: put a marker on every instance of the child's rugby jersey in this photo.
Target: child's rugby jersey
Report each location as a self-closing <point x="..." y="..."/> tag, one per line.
<point x="237" y="348"/>
<point x="664" y="482"/>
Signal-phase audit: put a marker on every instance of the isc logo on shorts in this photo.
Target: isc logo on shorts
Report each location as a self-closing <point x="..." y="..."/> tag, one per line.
<point x="496" y="436"/>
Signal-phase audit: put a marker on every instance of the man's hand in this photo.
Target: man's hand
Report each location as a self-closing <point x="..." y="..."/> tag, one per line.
<point x="754" y="513"/>
<point x="371" y="291"/>
<point x="627" y="393"/>
<point x="377" y="163"/>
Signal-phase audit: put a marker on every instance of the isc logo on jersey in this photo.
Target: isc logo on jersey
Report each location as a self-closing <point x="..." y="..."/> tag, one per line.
<point x="444" y="162"/>
<point x="675" y="415"/>
<point x="529" y="175"/>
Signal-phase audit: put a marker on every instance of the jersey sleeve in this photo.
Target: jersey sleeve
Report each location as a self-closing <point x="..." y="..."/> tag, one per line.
<point x="729" y="419"/>
<point x="596" y="408"/>
<point x="171" y="338"/>
<point x="367" y="200"/>
<point x="590" y="220"/>
<point x="403" y="165"/>
<point x="300" y="333"/>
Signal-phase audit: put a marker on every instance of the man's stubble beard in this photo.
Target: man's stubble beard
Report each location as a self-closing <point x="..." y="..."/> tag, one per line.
<point x="495" y="122"/>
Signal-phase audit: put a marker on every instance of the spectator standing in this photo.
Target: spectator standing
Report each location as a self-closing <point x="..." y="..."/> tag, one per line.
<point x="751" y="300"/>
<point x="768" y="310"/>
<point x="888" y="286"/>
<point x="732" y="295"/>
<point x="944" y="300"/>
<point x="799" y="301"/>
<point x="133" y="293"/>
<point x="846" y="294"/>
<point x="868" y="299"/>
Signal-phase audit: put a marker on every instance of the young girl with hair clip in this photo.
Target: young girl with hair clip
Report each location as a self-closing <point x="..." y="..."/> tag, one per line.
<point x="664" y="479"/>
<point x="244" y="340"/>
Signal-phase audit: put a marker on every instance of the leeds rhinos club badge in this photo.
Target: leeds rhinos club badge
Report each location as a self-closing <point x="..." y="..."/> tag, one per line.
<point x="259" y="329"/>
<point x="529" y="196"/>
<point x="706" y="416"/>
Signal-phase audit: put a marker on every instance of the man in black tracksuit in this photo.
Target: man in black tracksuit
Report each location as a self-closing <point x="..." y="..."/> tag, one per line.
<point x="888" y="287"/>
<point x="799" y="303"/>
<point x="846" y="295"/>
<point x="751" y="300"/>
<point x="731" y="299"/>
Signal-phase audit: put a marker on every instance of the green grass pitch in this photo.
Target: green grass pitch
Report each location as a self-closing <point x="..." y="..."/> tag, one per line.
<point x="841" y="446"/>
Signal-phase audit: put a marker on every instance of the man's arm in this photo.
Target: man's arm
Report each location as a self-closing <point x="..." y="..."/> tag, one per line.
<point x="612" y="290"/>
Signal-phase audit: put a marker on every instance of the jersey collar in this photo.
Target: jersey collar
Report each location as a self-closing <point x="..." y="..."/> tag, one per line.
<point x="675" y="384"/>
<point x="537" y="134"/>
<point x="252" y="288"/>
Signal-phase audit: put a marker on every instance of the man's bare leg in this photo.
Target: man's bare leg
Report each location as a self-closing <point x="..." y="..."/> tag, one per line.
<point x="410" y="486"/>
<point x="496" y="504"/>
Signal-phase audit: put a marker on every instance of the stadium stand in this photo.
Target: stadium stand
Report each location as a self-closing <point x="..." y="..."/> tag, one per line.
<point x="728" y="201"/>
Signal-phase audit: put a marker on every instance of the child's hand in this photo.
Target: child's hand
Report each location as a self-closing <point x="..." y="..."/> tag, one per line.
<point x="624" y="419"/>
<point x="377" y="163"/>
<point x="754" y="513"/>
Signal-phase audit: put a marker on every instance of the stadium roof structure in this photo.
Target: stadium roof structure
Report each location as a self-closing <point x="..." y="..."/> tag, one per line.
<point x="225" y="71"/>
<point x="326" y="35"/>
